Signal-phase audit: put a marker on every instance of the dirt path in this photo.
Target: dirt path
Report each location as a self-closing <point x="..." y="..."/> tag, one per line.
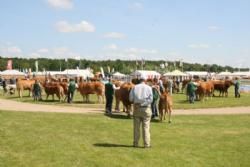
<point x="10" y="105"/>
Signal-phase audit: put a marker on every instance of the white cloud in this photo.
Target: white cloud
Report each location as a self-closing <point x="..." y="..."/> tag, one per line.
<point x="61" y="4"/>
<point x="141" y="51"/>
<point x="199" y="46"/>
<point x="214" y="28"/>
<point x="83" y="26"/>
<point x="61" y="50"/>
<point x="14" y="50"/>
<point x="34" y="55"/>
<point x="115" y="35"/>
<point x="111" y="47"/>
<point x="136" y="6"/>
<point x="43" y="50"/>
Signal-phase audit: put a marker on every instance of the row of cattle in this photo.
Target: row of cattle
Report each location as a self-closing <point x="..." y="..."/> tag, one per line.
<point x="208" y="88"/>
<point x="60" y="89"/>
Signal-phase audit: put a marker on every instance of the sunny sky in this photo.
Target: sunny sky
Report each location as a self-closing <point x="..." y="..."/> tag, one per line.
<point x="195" y="31"/>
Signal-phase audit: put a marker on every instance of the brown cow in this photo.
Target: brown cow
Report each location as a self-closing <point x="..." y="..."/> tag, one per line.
<point x="87" y="88"/>
<point x="22" y="85"/>
<point x="122" y="95"/>
<point x="165" y="106"/>
<point x="222" y="86"/>
<point x="204" y="89"/>
<point x="51" y="89"/>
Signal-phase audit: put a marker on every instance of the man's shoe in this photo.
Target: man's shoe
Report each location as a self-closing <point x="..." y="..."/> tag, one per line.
<point x="147" y="146"/>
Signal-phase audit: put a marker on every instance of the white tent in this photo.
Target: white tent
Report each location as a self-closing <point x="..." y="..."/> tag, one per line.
<point x="198" y="73"/>
<point x="118" y="74"/>
<point x="175" y="73"/>
<point x="11" y="72"/>
<point x="78" y="73"/>
<point x="147" y="74"/>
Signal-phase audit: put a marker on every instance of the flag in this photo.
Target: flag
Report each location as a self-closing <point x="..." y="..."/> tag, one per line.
<point x="181" y="63"/>
<point x="102" y="72"/>
<point x="9" y="65"/>
<point x="108" y="69"/>
<point x="36" y="65"/>
<point x="66" y="60"/>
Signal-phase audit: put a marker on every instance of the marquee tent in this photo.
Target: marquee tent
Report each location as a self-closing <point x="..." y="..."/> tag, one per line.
<point x="175" y="73"/>
<point x="145" y="73"/>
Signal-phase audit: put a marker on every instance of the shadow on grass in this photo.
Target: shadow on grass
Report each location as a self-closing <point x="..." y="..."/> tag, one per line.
<point x="118" y="116"/>
<point x="111" y="145"/>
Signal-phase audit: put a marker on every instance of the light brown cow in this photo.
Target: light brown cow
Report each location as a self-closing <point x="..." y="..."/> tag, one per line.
<point x="204" y="89"/>
<point x="87" y="88"/>
<point x="165" y="106"/>
<point x="22" y="85"/>
<point x="122" y="95"/>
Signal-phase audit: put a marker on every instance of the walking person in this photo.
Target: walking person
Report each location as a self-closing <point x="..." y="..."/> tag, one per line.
<point x="237" y="88"/>
<point x="37" y="91"/>
<point x="142" y="96"/>
<point x="156" y="95"/>
<point x="71" y="89"/>
<point x="109" y="94"/>
<point x="191" y="88"/>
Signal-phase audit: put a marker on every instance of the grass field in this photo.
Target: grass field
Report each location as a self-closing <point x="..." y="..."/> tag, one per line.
<point x="180" y="101"/>
<point x="52" y="139"/>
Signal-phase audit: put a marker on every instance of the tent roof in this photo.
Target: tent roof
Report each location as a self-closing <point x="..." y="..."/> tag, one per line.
<point x="175" y="73"/>
<point x="198" y="73"/>
<point x="11" y="72"/>
<point x="78" y="72"/>
<point x="225" y="73"/>
<point x="118" y="74"/>
<point x="145" y="72"/>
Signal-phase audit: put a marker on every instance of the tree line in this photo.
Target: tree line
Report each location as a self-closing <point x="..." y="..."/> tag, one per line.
<point x="123" y="66"/>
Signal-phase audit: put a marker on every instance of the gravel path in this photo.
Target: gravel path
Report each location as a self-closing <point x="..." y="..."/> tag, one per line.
<point x="10" y="105"/>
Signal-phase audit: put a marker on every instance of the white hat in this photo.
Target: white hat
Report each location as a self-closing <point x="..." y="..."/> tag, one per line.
<point x="143" y="77"/>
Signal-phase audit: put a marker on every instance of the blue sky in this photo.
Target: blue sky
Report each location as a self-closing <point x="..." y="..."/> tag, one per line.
<point x="195" y="31"/>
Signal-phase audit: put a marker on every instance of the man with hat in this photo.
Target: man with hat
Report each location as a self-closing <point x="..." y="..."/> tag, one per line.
<point x="142" y="96"/>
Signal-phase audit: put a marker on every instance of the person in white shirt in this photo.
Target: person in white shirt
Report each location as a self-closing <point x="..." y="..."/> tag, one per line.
<point x="142" y="96"/>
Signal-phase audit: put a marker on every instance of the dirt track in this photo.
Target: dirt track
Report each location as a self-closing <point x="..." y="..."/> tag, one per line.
<point x="10" y="105"/>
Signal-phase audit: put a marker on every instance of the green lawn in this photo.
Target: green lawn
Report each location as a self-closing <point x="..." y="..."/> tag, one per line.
<point x="180" y="101"/>
<point x="53" y="139"/>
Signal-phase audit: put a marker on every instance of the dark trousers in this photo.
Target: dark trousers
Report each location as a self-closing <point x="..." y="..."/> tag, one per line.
<point x="109" y="101"/>
<point x="191" y="97"/>
<point x="236" y="92"/>
<point x="70" y="96"/>
<point x="154" y="109"/>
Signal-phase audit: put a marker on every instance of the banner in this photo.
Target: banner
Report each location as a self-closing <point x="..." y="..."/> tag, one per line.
<point x="102" y="72"/>
<point x="9" y="65"/>
<point x="36" y="65"/>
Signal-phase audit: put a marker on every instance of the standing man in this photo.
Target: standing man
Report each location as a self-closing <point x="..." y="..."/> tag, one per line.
<point x="191" y="88"/>
<point x="237" y="88"/>
<point x="71" y="89"/>
<point x="156" y="95"/>
<point x="142" y="96"/>
<point x="109" y="94"/>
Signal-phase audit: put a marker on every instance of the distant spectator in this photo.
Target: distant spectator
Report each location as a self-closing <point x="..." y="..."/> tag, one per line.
<point x="237" y="88"/>
<point x="4" y="86"/>
<point x="170" y="86"/>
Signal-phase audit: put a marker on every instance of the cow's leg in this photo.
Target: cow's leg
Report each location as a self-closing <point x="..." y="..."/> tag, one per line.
<point x="117" y="103"/>
<point x="169" y="114"/>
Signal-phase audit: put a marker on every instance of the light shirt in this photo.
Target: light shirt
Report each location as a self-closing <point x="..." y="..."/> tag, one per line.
<point x="141" y="94"/>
